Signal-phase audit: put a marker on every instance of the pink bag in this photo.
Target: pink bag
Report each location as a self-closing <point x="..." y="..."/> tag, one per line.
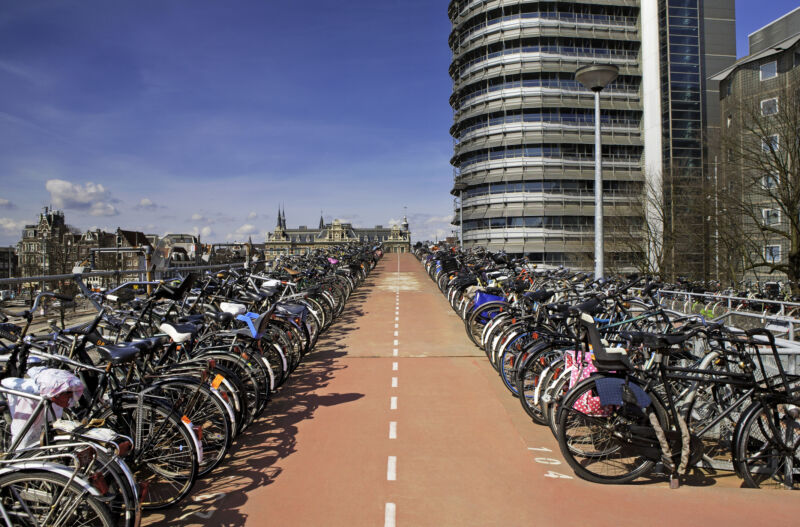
<point x="579" y="370"/>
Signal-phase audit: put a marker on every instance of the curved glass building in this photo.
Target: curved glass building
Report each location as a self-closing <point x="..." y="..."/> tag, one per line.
<point x="523" y="126"/>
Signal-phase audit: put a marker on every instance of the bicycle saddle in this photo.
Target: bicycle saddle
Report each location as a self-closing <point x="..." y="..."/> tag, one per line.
<point x="233" y="308"/>
<point x="653" y="340"/>
<point x="221" y="317"/>
<point x="119" y="353"/>
<point x="179" y="332"/>
<point x="540" y="296"/>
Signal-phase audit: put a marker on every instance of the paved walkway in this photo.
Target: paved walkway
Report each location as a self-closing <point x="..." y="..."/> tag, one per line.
<point x="396" y="419"/>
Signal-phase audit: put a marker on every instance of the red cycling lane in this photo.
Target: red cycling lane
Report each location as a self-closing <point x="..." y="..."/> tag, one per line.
<point x="460" y="450"/>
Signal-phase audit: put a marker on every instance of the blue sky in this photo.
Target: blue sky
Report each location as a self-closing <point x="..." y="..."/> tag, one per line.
<point x="202" y="116"/>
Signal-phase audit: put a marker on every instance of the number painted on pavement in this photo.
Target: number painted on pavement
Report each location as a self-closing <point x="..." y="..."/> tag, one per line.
<point x="547" y="461"/>
<point x="556" y="475"/>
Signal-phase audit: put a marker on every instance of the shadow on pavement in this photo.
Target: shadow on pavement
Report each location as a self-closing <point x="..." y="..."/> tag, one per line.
<point x="254" y="460"/>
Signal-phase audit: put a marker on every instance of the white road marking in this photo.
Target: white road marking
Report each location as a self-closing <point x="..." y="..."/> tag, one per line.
<point x="211" y="497"/>
<point x="389" y="515"/>
<point x="391" y="469"/>
<point x="556" y="475"/>
<point x="547" y="461"/>
<point x="396" y="342"/>
<point x="394" y="352"/>
<point x="393" y="430"/>
<point x="396" y="325"/>
<point x="396" y="333"/>
<point x="393" y="403"/>
<point x="396" y="319"/>
<point x="394" y="382"/>
<point x="539" y="448"/>
<point x="394" y="366"/>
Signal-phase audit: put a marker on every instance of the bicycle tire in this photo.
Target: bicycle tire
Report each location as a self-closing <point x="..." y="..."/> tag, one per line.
<point x="18" y="501"/>
<point x="167" y="482"/>
<point x="599" y="457"/>
<point x="768" y="447"/>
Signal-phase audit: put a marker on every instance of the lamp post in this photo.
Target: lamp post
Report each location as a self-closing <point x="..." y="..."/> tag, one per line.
<point x="460" y="186"/>
<point x="595" y="77"/>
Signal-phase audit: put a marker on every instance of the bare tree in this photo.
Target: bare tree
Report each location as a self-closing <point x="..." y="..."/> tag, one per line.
<point x="661" y="225"/>
<point x="763" y="175"/>
<point x="641" y="235"/>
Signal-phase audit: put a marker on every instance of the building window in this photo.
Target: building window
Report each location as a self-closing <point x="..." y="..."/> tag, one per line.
<point x="772" y="253"/>
<point x="769" y="70"/>
<point x="771" y="144"/>
<point x="770" y="181"/>
<point x="771" y="216"/>
<point x="769" y="106"/>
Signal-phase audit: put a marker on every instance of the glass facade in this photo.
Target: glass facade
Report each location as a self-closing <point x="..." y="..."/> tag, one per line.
<point x="684" y="142"/>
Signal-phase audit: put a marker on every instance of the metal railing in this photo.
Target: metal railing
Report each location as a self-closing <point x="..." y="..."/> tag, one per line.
<point x="166" y="273"/>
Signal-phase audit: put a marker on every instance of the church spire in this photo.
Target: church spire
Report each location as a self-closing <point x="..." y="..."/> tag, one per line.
<point x="321" y="221"/>
<point x="283" y="219"/>
<point x="280" y="223"/>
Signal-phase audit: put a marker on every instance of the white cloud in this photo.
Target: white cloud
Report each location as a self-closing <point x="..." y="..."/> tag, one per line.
<point x="242" y="232"/>
<point x="198" y="217"/>
<point x="252" y="215"/>
<point x="439" y="219"/>
<point x="247" y="228"/>
<point x="204" y="232"/>
<point x="91" y="197"/>
<point x="146" y="204"/>
<point x="103" y="209"/>
<point x="10" y="226"/>
<point x="6" y="204"/>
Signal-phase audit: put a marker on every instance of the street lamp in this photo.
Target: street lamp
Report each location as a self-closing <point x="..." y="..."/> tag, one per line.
<point x="460" y="186"/>
<point x="595" y="77"/>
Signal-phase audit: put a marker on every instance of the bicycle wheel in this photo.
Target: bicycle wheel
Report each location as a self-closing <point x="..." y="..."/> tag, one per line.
<point x="552" y="401"/>
<point x="480" y="317"/>
<point x="209" y="416"/>
<point x="540" y="357"/>
<point x="589" y="439"/>
<point x="768" y="447"/>
<point x="48" y="498"/>
<point x="165" y="459"/>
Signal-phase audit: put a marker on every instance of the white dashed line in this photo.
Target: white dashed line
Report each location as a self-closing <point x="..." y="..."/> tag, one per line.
<point x="396" y="325"/>
<point x="396" y="333"/>
<point x="393" y="430"/>
<point x="394" y="366"/>
<point x="391" y="469"/>
<point x="396" y="342"/>
<point x="396" y="319"/>
<point x="394" y="382"/>
<point x="393" y="403"/>
<point x="389" y="515"/>
<point x="394" y="352"/>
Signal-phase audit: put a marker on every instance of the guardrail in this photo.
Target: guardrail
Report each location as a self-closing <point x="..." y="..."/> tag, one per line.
<point x="117" y="273"/>
<point x="730" y="300"/>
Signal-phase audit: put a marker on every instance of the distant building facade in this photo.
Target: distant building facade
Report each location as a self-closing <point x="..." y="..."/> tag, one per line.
<point x="759" y="98"/>
<point x="283" y="240"/>
<point x="8" y="263"/>
<point x="42" y="250"/>
<point x="51" y="247"/>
